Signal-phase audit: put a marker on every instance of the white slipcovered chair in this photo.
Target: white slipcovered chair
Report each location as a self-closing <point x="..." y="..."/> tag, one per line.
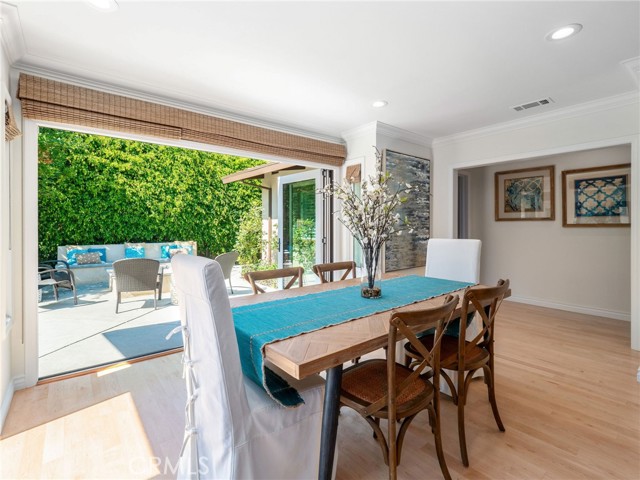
<point x="233" y="428"/>
<point x="455" y="259"/>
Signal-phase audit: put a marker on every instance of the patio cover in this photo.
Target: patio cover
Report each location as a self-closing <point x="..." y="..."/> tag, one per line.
<point x="258" y="172"/>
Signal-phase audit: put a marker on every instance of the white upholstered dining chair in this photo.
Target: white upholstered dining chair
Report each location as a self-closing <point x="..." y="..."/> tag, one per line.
<point x="233" y="428"/>
<point x="455" y="259"/>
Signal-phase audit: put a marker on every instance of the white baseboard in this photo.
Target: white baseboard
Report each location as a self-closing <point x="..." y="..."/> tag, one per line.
<point x="598" y="312"/>
<point x="19" y="382"/>
<point x="6" y="403"/>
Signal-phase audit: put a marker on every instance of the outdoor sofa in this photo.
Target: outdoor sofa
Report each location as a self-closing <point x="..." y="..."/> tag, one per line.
<point x="91" y="262"/>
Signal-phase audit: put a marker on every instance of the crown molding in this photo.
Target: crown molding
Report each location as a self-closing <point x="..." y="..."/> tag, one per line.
<point x="376" y="127"/>
<point x="11" y="33"/>
<point x="21" y="67"/>
<point x="633" y="67"/>
<point x="587" y="108"/>
<point x="405" y="135"/>
<point x="362" y="130"/>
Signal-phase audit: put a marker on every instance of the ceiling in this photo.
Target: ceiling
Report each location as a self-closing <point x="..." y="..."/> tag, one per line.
<point x="444" y="67"/>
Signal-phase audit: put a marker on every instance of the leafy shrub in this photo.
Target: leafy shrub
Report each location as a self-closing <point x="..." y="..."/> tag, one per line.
<point x="251" y="243"/>
<point x="304" y="243"/>
<point x="99" y="190"/>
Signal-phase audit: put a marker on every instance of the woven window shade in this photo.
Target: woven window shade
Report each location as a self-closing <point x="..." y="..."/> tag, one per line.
<point x="44" y="99"/>
<point x="11" y="130"/>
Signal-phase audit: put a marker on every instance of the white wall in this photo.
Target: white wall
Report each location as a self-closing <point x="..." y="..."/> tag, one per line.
<point x="614" y="121"/>
<point x="360" y="149"/>
<point x="549" y="264"/>
<point x="6" y="382"/>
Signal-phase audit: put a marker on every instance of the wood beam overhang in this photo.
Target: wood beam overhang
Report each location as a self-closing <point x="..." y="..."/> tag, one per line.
<point x="259" y="171"/>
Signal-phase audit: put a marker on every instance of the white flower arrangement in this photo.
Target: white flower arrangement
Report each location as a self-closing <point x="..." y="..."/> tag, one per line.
<point x="371" y="217"/>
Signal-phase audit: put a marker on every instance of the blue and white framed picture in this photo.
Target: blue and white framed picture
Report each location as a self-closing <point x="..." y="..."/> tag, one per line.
<point x="597" y="197"/>
<point x="525" y="194"/>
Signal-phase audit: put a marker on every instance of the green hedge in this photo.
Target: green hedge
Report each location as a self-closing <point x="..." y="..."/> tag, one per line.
<point x="100" y="190"/>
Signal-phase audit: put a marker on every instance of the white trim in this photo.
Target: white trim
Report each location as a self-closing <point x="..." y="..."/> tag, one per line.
<point x="400" y="134"/>
<point x="19" y="382"/>
<point x="11" y="35"/>
<point x="6" y="402"/>
<point x="633" y="67"/>
<point x="360" y="131"/>
<point x="30" y="250"/>
<point x="609" y="142"/>
<point x="582" y="109"/>
<point x="387" y="130"/>
<point x="171" y="102"/>
<point x="597" y="312"/>
<point x="299" y="177"/>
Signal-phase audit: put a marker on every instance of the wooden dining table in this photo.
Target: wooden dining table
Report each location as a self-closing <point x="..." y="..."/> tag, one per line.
<point x="329" y="348"/>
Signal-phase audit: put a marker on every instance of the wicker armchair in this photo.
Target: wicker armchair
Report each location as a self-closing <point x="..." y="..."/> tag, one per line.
<point x="56" y="273"/>
<point x="138" y="275"/>
<point x="227" y="261"/>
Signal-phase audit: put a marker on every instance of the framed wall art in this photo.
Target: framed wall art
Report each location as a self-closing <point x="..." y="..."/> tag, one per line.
<point x="525" y="194"/>
<point x="409" y="249"/>
<point x="597" y="197"/>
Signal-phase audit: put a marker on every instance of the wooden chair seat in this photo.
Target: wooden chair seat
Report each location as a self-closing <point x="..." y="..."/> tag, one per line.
<point x="475" y="356"/>
<point x="368" y="383"/>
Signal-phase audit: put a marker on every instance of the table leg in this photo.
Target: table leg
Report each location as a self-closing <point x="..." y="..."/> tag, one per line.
<point x="330" y="412"/>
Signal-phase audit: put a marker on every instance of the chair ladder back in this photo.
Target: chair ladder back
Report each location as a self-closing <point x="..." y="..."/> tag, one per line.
<point x="477" y="297"/>
<point x="296" y="274"/>
<point x="327" y="268"/>
<point x="401" y="322"/>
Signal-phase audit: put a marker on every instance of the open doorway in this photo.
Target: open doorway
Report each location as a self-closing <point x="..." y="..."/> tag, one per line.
<point x="104" y="199"/>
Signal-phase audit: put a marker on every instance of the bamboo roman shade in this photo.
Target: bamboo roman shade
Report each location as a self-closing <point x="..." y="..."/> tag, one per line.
<point x="11" y="130"/>
<point x="54" y="101"/>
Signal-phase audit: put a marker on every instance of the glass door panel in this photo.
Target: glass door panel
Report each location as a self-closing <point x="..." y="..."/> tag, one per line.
<point x="299" y="223"/>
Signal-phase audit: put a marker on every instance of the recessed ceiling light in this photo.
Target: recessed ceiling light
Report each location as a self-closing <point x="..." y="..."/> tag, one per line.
<point x="379" y="103"/>
<point x="104" y="5"/>
<point x="564" y="32"/>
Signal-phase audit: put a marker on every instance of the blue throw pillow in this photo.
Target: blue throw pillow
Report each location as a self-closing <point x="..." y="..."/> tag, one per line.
<point x="134" y="252"/>
<point x="165" y="250"/>
<point x="189" y="249"/>
<point x="72" y="254"/>
<point x="101" y="251"/>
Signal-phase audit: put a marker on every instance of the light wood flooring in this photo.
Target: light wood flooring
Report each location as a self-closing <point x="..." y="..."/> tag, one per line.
<point x="566" y="389"/>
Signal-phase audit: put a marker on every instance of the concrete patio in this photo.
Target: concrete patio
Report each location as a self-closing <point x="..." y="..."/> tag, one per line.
<point x="76" y="337"/>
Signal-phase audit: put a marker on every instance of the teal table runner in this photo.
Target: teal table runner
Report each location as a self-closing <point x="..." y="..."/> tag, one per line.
<point x="263" y="323"/>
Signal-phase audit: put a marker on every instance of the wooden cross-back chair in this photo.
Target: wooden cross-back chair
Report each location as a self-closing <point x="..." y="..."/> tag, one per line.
<point x="296" y="274"/>
<point x="466" y="356"/>
<point x="382" y="388"/>
<point x="325" y="270"/>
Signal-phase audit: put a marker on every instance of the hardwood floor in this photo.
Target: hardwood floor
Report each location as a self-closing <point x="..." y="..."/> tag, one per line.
<point x="566" y="390"/>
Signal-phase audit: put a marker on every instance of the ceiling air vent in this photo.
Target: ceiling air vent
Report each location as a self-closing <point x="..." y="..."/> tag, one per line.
<point x="536" y="103"/>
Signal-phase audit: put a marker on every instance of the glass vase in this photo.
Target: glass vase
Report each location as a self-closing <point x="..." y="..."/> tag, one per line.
<point x="371" y="278"/>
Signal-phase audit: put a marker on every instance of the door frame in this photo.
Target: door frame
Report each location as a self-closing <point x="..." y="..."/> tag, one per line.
<point x="316" y="175"/>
